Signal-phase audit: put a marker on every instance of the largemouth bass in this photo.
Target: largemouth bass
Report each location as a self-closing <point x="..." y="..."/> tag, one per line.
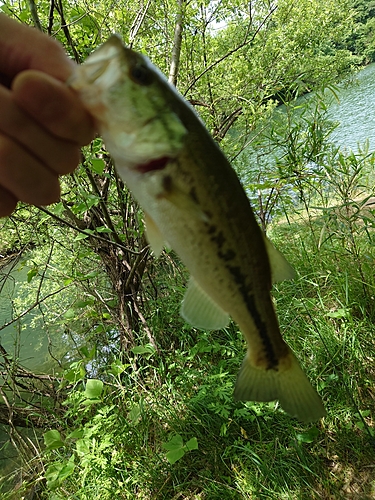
<point x="193" y="200"/>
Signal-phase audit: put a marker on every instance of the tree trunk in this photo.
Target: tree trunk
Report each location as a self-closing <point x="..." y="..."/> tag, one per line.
<point x="176" y="49"/>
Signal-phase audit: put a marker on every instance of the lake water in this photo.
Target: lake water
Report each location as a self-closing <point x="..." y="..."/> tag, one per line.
<point x="356" y="111"/>
<point x="22" y="340"/>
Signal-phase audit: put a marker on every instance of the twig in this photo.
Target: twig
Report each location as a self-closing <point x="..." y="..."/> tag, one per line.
<point x="102" y="204"/>
<point x="64" y="26"/>
<point x="142" y="255"/>
<point x="50" y="17"/>
<point x="83" y="231"/>
<point x="137" y="23"/>
<point x="145" y="326"/>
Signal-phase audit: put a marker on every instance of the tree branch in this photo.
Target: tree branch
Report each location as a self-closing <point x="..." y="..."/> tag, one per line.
<point x="64" y="26"/>
<point x="34" y="15"/>
<point x="50" y="17"/>
<point x="137" y="23"/>
<point x="84" y="231"/>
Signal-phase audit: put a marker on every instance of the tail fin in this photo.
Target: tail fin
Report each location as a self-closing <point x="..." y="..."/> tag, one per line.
<point x="289" y="385"/>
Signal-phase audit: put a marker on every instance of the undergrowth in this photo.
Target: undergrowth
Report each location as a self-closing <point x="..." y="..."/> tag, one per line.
<point x="118" y="433"/>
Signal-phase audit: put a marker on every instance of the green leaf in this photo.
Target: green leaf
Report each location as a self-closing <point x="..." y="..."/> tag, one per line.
<point x="70" y="314"/>
<point x="76" y="434"/>
<point x="192" y="444"/>
<point x="81" y="236"/>
<point x="83" y="303"/>
<point x="90" y="200"/>
<point x="308" y="436"/>
<point x="146" y="349"/>
<point x="76" y="372"/>
<point x="174" y="455"/>
<point x="339" y="313"/>
<point x="5" y="9"/>
<point x="57" y="209"/>
<point x="89" y="275"/>
<point x="94" y="388"/>
<point x="117" y="367"/>
<point x="83" y="447"/>
<point x="52" y="440"/>
<point x="58" y="472"/>
<point x="86" y="353"/>
<point x="30" y="275"/>
<point x="135" y="414"/>
<point x="174" y="443"/>
<point x="98" y="165"/>
<point x="89" y="402"/>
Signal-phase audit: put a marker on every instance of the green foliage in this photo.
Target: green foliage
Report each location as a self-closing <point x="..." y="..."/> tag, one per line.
<point x="136" y="389"/>
<point x="361" y="41"/>
<point x="177" y="449"/>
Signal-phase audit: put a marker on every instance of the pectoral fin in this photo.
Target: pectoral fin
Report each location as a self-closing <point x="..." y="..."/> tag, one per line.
<point x="200" y="310"/>
<point x="153" y="235"/>
<point x="280" y="268"/>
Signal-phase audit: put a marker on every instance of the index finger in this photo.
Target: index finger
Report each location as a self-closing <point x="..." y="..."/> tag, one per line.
<point x="54" y="106"/>
<point x="23" y="48"/>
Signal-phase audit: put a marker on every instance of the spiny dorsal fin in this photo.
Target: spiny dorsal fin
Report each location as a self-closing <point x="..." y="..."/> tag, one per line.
<point x="200" y="310"/>
<point x="280" y="268"/>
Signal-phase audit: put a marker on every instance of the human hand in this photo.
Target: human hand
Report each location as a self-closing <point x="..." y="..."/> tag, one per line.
<point x="42" y="122"/>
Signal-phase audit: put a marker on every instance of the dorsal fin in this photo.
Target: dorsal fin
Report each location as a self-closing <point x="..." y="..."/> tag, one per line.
<point x="280" y="268"/>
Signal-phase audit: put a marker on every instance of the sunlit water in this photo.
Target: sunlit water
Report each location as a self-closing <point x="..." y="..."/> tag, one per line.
<point x="356" y="111"/>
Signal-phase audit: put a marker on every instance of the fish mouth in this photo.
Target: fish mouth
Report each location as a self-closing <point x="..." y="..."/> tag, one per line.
<point x="92" y="72"/>
<point x="97" y="70"/>
<point x="104" y="63"/>
<point x="153" y="165"/>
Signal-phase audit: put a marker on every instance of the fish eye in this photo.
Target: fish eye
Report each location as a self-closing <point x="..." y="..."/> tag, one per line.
<point x="140" y="74"/>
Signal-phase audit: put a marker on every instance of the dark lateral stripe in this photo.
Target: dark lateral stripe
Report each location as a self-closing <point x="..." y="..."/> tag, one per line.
<point x="259" y="323"/>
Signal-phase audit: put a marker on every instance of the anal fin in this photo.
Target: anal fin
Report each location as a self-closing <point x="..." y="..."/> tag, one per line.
<point x="200" y="310"/>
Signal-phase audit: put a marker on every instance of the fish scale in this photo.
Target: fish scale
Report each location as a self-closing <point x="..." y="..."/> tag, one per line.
<point x="193" y="200"/>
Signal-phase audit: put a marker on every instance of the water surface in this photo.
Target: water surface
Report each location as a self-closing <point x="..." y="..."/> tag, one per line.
<point x="356" y="111"/>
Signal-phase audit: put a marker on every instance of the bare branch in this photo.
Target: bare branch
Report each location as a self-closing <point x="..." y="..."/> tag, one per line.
<point x="64" y="26"/>
<point x="50" y="17"/>
<point x="137" y="23"/>
<point x="84" y="231"/>
<point x="35" y="304"/>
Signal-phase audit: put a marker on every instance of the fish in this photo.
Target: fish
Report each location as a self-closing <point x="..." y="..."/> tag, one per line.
<point x="194" y="203"/>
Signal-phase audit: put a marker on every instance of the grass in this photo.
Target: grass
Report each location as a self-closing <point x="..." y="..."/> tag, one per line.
<point x="116" y="446"/>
